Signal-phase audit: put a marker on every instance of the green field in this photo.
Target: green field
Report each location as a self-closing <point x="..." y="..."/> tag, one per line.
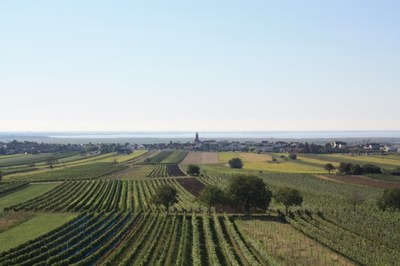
<point x="176" y="157"/>
<point x="40" y="224"/>
<point x="85" y="171"/>
<point x="32" y="191"/>
<point x="118" y="217"/>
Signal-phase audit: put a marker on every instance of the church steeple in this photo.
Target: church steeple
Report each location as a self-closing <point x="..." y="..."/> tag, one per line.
<point x="197" y="140"/>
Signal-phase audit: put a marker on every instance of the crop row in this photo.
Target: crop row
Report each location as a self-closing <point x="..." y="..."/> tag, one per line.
<point x="356" y="247"/>
<point x="7" y="188"/>
<point x="199" y="240"/>
<point x="106" y="195"/>
<point x="83" y="241"/>
<point x="80" y="172"/>
<point x="166" y="170"/>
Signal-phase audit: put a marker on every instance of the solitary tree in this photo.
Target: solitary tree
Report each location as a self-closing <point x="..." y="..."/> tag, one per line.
<point x="355" y="198"/>
<point x="211" y="196"/>
<point x="293" y="156"/>
<point x="193" y="170"/>
<point x="249" y="192"/>
<point x="235" y="163"/>
<point x="329" y="167"/>
<point x="390" y="199"/>
<point x="289" y="197"/>
<point x="165" y="195"/>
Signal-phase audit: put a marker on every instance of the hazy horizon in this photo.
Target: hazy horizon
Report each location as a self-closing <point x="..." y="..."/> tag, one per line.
<point x="216" y="66"/>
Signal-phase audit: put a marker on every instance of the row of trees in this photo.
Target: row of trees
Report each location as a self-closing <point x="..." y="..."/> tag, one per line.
<point x="243" y="192"/>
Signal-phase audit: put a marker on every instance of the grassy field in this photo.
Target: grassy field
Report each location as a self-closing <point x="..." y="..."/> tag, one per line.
<point x="286" y="244"/>
<point x="26" y="194"/>
<point x="133" y="171"/>
<point x="262" y="162"/>
<point x="224" y="157"/>
<point x="32" y="228"/>
<point x="382" y="161"/>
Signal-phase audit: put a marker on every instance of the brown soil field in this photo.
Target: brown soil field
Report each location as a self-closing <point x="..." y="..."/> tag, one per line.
<point x="192" y="185"/>
<point x="361" y="180"/>
<point x="199" y="157"/>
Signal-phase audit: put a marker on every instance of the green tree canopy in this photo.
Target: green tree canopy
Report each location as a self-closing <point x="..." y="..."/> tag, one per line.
<point x="293" y="156"/>
<point x="289" y="197"/>
<point x="193" y="170"/>
<point x="249" y="192"/>
<point x="165" y="195"/>
<point x="212" y="195"/>
<point x="329" y="167"/>
<point x="390" y="199"/>
<point x="235" y="163"/>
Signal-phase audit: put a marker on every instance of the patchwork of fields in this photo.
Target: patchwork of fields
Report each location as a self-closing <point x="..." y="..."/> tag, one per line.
<point x="100" y="211"/>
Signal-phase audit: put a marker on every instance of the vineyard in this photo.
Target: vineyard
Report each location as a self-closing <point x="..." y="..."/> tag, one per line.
<point x="8" y="188"/>
<point x="166" y="170"/>
<point x="106" y="195"/>
<point x="89" y="171"/>
<point x="118" y="224"/>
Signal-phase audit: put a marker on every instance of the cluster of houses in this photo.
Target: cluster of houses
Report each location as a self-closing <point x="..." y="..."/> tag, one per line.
<point x="205" y="145"/>
<point x="277" y="146"/>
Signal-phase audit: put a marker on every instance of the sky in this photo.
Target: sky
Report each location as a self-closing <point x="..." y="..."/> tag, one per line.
<point x="199" y="65"/>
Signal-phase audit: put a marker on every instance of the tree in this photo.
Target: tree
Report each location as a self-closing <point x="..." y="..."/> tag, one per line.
<point x="371" y="169"/>
<point x="355" y="198"/>
<point x="289" y="197"/>
<point x="293" y="156"/>
<point x="235" y="163"/>
<point x="249" y="192"/>
<point x="193" y="170"/>
<point x="356" y="169"/>
<point x="165" y="195"/>
<point x="390" y="199"/>
<point x="211" y="196"/>
<point x="329" y="167"/>
<point x="1" y="175"/>
<point x="344" y="168"/>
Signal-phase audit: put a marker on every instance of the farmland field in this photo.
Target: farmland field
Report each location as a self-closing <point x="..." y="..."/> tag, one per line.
<point x="199" y="157"/>
<point x="38" y="225"/>
<point x="102" y="213"/>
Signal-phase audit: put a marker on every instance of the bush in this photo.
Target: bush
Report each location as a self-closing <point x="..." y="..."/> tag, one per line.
<point x="390" y="199"/>
<point x="235" y="163"/>
<point x="193" y="170"/>
<point x="292" y="156"/>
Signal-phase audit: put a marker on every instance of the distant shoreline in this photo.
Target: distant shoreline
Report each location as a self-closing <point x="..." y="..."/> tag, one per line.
<point x="167" y="136"/>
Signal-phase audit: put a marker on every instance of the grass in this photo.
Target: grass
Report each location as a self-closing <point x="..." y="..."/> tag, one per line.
<point x="11" y="219"/>
<point x="224" y="157"/>
<point x="284" y="167"/>
<point x="32" y="228"/>
<point x="381" y="161"/>
<point x="133" y="155"/>
<point x="26" y="194"/>
<point x="134" y="171"/>
<point x="288" y="245"/>
<point x="254" y="157"/>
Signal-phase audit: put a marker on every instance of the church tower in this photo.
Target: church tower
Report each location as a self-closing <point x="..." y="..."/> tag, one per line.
<point x="197" y="140"/>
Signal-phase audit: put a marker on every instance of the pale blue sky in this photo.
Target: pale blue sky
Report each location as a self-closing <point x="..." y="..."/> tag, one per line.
<point x="199" y="65"/>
